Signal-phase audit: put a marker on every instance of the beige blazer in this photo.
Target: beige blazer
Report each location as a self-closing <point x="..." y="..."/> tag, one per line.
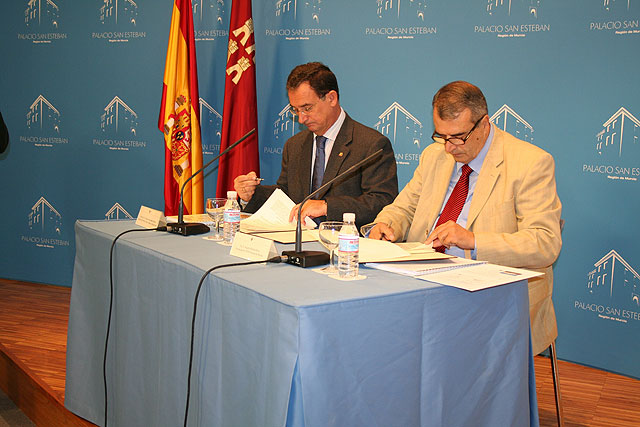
<point x="514" y="215"/>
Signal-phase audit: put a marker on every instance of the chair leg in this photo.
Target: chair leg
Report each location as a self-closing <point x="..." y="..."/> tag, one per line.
<point x="556" y="383"/>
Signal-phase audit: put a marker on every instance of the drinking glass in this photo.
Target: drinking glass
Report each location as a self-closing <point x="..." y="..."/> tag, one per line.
<point x="328" y="232"/>
<point x="215" y="209"/>
<point x="365" y="229"/>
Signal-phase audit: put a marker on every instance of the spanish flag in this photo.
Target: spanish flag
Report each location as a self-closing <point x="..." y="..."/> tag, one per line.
<point x="180" y="116"/>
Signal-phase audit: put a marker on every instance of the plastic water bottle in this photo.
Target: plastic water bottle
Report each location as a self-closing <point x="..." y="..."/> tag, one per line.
<point x="231" y="219"/>
<point x="348" y="247"/>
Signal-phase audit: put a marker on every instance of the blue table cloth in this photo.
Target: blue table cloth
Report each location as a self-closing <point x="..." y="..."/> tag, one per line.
<point x="278" y="345"/>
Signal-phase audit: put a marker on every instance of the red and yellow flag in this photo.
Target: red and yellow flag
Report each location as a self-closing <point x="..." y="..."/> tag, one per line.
<point x="239" y="114"/>
<point x="180" y="116"/>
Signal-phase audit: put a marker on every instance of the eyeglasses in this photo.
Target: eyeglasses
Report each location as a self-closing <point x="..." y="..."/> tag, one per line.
<point x="306" y="109"/>
<point x="455" y="140"/>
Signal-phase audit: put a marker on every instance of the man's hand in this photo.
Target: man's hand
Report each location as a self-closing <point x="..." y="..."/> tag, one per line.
<point x="451" y="234"/>
<point x="382" y="231"/>
<point x="312" y="208"/>
<point x="245" y="185"/>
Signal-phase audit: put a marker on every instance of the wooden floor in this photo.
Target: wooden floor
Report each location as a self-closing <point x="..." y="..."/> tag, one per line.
<point x="33" y="340"/>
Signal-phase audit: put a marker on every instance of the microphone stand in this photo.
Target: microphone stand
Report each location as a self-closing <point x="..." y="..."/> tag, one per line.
<point x="191" y="228"/>
<point x="313" y="258"/>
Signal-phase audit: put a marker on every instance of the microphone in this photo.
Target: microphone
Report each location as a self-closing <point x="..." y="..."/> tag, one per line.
<point x="313" y="258"/>
<point x="191" y="228"/>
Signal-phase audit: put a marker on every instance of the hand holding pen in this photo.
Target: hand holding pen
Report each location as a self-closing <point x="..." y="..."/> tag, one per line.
<point x="245" y="185"/>
<point x="382" y="231"/>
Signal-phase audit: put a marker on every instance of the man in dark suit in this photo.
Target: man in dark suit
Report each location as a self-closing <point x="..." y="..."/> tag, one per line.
<point x="332" y="143"/>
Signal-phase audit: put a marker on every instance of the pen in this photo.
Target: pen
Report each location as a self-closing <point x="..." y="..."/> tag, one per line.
<point x="259" y="179"/>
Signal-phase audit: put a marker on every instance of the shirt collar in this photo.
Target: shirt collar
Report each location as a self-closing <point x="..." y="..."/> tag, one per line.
<point x="332" y="132"/>
<point x="476" y="163"/>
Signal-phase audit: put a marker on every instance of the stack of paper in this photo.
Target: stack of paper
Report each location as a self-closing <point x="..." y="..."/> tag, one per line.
<point x="273" y="216"/>
<point x="480" y="276"/>
<point x="382" y="251"/>
<point x="461" y="273"/>
<point x="419" y="268"/>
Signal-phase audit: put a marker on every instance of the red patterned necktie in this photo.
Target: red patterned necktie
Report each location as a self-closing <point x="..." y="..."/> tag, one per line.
<point x="454" y="205"/>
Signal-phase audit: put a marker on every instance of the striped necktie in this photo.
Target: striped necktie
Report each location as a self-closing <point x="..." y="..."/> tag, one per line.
<point x="318" y="166"/>
<point x="454" y="205"/>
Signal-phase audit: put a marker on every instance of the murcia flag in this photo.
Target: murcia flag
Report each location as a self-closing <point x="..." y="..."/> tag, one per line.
<point x="180" y="115"/>
<point x="239" y="114"/>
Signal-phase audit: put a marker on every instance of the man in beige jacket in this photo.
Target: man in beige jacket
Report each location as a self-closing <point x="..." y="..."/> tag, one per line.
<point x="511" y="215"/>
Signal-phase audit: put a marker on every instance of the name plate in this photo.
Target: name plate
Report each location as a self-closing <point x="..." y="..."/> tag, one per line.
<point x="252" y="248"/>
<point x="150" y="218"/>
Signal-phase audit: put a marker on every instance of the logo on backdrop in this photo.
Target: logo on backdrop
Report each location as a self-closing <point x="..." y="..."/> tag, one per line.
<point x="211" y="124"/>
<point x="43" y="125"/>
<point x="404" y="131"/>
<point x="401" y="20"/>
<point x="613" y="5"/>
<point x="616" y="148"/>
<point x="510" y="121"/>
<point x="293" y="16"/>
<point x="209" y="19"/>
<point x="512" y="18"/>
<point x="284" y="127"/>
<point x="117" y="212"/>
<point x="118" y="124"/>
<point x="618" y="17"/>
<point x="118" y="20"/>
<point x="612" y="291"/>
<point x="42" y="18"/>
<point x="45" y="226"/>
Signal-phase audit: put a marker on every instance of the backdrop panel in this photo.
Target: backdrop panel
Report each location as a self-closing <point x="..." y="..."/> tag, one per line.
<point x="81" y="83"/>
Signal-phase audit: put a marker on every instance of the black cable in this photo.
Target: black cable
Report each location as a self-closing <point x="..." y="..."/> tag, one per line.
<point x="275" y="259"/>
<point x="106" y="340"/>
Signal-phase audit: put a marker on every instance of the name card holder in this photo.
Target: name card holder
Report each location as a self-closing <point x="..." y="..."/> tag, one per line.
<point x="150" y="218"/>
<point x="253" y="248"/>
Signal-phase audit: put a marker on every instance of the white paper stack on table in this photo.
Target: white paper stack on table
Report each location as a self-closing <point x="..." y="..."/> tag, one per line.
<point x="462" y="273"/>
<point x="271" y="221"/>
<point x="382" y="251"/>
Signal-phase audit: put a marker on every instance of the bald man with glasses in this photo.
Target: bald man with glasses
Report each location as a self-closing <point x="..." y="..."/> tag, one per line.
<point x="506" y="212"/>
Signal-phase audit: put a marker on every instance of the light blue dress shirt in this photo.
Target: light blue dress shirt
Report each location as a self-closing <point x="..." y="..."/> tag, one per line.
<point x="476" y="165"/>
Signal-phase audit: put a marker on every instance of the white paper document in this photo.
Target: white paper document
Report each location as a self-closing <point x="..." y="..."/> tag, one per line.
<point x="418" y="268"/>
<point x="274" y="215"/>
<point x="462" y="273"/>
<point x="481" y="276"/>
<point x="379" y="250"/>
<point x="416" y="247"/>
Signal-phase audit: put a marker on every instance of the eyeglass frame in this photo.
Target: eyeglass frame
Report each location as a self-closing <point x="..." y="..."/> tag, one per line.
<point x="464" y="139"/>
<point x="306" y="110"/>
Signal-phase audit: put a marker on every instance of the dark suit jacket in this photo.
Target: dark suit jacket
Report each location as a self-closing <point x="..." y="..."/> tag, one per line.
<point x="365" y="192"/>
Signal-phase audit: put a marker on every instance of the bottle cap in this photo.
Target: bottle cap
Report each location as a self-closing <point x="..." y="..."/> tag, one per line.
<point x="349" y="217"/>
<point x="232" y="195"/>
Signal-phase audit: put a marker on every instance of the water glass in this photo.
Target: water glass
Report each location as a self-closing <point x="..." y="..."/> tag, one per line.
<point x="215" y="210"/>
<point x="328" y="233"/>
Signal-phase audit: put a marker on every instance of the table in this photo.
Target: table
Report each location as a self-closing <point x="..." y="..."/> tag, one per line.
<point x="278" y="345"/>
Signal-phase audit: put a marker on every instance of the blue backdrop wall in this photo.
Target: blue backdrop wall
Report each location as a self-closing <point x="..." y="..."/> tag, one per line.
<point x="80" y="87"/>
